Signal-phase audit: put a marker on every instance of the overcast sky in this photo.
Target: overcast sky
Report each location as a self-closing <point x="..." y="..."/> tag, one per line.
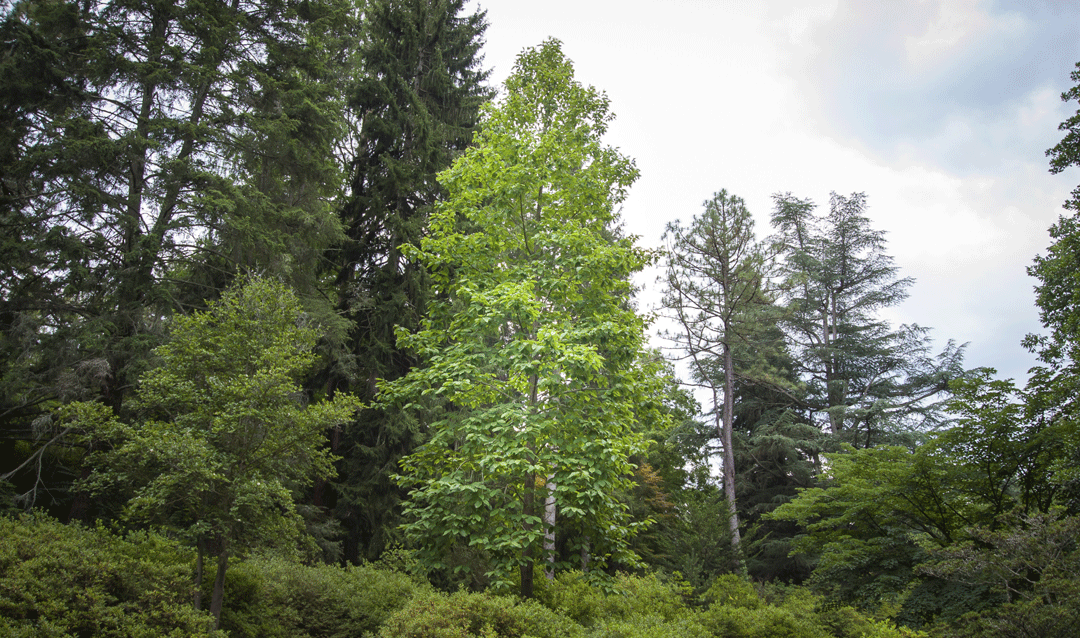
<point x="940" y="111"/>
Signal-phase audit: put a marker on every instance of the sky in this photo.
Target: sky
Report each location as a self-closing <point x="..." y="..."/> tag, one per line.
<point x="940" y="111"/>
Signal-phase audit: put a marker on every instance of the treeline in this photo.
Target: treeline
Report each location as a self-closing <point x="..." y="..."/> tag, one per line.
<point x="285" y="282"/>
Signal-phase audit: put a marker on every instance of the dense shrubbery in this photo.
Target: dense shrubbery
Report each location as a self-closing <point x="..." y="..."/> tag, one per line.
<point x="69" y="580"/>
<point x="271" y="597"/>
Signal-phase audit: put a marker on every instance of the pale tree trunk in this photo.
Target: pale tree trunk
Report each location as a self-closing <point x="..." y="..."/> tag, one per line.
<point x="549" y="528"/>
<point x="729" y="459"/>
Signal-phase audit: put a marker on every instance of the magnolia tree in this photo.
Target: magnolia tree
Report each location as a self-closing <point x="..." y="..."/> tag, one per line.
<point x="530" y="344"/>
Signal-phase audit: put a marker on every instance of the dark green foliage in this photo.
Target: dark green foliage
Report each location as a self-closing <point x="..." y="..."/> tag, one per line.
<point x="272" y="597"/>
<point x="417" y="104"/>
<point x="1055" y="385"/>
<point x="68" y="580"/>
<point x="225" y="437"/>
<point x="483" y="615"/>
<point x="150" y="151"/>
<point x="1032" y="563"/>
<point x="866" y="383"/>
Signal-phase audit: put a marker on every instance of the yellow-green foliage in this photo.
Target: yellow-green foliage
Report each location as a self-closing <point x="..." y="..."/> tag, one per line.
<point x="481" y="615"/>
<point x="68" y="580"/>
<point x="572" y="595"/>
<point x="737" y="610"/>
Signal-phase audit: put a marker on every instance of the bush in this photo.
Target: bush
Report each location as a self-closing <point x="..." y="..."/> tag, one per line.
<point x="276" y="598"/>
<point x="572" y="595"/>
<point x="65" y="580"/>
<point x="465" y="614"/>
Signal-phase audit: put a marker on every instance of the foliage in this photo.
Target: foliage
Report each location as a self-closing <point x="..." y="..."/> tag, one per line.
<point x="529" y="340"/>
<point x="150" y="151"/>
<point x="884" y="508"/>
<point x="1032" y="563"/>
<point x="484" y="615"/>
<point x="715" y="282"/>
<point x="866" y="384"/>
<point x="68" y="580"/>
<point x="738" y="610"/>
<point x="1055" y="385"/>
<point x="226" y="436"/>
<point x="573" y="595"/>
<point x="271" y="597"/>
<point x="415" y="99"/>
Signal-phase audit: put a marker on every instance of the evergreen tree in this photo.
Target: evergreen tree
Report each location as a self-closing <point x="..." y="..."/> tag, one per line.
<point x="145" y="143"/>
<point x="715" y="294"/>
<point x="417" y="105"/>
<point x="866" y="383"/>
<point x="225" y="435"/>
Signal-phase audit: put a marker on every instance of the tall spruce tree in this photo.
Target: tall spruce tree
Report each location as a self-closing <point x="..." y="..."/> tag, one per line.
<point x="142" y="142"/>
<point x="416" y="104"/>
<point x="866" y="383"/>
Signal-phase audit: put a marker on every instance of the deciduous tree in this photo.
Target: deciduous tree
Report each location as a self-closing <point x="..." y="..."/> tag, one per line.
<point x="226" y="435"/>
<point x="529" y="340"/>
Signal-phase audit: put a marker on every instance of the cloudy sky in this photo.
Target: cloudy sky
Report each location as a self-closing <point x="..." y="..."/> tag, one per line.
<point x="940" y="111"/>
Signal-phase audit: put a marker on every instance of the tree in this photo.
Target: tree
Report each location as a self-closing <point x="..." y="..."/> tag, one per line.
<point x="225" y="436"/>
<point x="715" y="292"/>
<point x="529" y="339"/>
<point x="1056" y="383"/>
<point x="866" y="383"/>
<point x="417" y="102"/>
<point x="882" y="511"/>
<point x="145" y="145"/>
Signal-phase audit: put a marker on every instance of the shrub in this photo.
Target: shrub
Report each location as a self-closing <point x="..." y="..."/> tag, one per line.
<point x="272" y="597"/>
<point x="466" y="614"/>
<point x="61" y="580"/>
<point x="572" y="595"/>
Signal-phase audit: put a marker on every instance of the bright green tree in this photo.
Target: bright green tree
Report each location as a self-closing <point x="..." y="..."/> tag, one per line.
<point x="715" y="293"/>
<point x="226" y="435"/>
<point x="529" y="341"/>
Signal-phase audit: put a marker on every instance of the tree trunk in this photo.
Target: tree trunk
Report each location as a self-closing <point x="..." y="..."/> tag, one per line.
<point x="549" y="528"/>
<point x="729" y="459"/>
<point x="218" y="595"/>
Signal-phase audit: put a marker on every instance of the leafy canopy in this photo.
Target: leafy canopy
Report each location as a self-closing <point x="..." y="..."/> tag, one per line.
<point x="529" y="341"/>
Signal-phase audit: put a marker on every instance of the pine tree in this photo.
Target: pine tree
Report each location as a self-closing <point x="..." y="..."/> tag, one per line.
<point x="416" y="104"/>
<point x="715" y="294"/>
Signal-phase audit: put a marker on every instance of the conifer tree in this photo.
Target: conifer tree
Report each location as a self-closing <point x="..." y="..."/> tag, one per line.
<point x="715" y="294"/>
<point x="416" y="104"/>
<point x="866" y="383"/>
<point x="147" y="144"/>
